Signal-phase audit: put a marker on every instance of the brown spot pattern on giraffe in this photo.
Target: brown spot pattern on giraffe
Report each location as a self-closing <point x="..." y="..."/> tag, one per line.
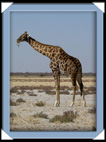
<point x="61" y="62"/>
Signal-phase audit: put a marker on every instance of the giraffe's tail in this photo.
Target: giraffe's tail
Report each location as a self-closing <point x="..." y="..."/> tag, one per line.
<point x="81" y="87"/>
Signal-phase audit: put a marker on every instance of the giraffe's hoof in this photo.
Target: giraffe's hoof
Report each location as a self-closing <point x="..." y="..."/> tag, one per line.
<point x="72" y="104"/>
<point x="56" y="104"/>
<point x="84" y="104"/>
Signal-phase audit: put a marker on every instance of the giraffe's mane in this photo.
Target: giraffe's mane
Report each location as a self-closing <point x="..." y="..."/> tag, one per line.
<point x="40" y="42"/>
<point x="32" y="38"/>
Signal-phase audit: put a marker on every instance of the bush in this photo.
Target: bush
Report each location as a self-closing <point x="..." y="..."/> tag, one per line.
<point x="12" y="114"/>
<point x="40" y="115"/>
<point x="14" y="90"/>
<point x="67" y="116"/>
<point x="50" y="92"/>
<point x="40" y="104"/>
<point x="92" y="110"/>
<point x="20" y="100"/>
<point x="13" y="103"/>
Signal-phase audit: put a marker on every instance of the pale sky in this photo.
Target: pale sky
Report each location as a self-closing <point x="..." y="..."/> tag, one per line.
<point x="75" y="32"/>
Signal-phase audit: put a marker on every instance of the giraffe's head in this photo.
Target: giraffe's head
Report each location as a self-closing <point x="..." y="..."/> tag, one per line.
<point x="23" y="37"/>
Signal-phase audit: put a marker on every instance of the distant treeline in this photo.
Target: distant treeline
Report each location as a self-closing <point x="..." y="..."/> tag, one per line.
<point x="41" y="74"/>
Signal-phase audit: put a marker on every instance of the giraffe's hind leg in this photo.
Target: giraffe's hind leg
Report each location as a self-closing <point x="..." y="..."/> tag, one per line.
<point x="79" y="79"/>
<point x="74" y="91"/>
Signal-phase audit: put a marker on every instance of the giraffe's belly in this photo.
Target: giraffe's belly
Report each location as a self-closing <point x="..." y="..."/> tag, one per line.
<point x="63" y="70"/>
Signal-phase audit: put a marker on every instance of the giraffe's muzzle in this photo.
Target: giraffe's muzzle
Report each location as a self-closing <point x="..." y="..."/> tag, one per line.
<point x="18" y="41"/>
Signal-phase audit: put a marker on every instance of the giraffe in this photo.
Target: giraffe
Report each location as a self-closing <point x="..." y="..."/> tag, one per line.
<point x="60" y="63"/>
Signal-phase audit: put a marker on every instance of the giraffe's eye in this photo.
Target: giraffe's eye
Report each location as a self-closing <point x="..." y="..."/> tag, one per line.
<point x="23" y="37"/>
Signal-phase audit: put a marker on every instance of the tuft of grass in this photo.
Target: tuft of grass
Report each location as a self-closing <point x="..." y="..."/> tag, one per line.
<point x="67" y="116"/>
<point x="40" y="91"/>
<point x="12" y="114"/>
<point x="40" y="104"/>
<point x="90" y="90"/>
<point x="20" y="100"/>
<point x="93" y="128"/>
<point x="40" y="115"/>
<point x="19" y="93"/>
<point x="92" y="110"/>
<point x="14" y="90"/>
<point x="50" y="92"/>
<point x="32" y="94"/>
<point x="23" y="91"/>
<point x="13" y="103"/>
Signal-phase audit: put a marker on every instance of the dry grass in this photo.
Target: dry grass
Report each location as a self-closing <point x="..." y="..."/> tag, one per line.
<point x="92" y="110"/>
<point x="12" y="114"/>
<point x="90" y="90"/>
<point x="50" y="90"/>
<point x="67" y="116"/>
<point x="14" y="90"/>
<point x="40" y="115"/>
<point x="12" y="103"/>
<point x="36" y="115"/>
<point x="40" y="104"/>
<point x="32" y="94"/>
<point x="20" y="100"/>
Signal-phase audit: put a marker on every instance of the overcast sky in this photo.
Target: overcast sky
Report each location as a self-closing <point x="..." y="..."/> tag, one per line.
<point x="75" y="32"/>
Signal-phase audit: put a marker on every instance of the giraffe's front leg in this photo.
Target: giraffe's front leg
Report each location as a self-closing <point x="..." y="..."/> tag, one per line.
<point x="57" y="102"/>
<point x="57" y="85"/>
<point x="84" y="102"/>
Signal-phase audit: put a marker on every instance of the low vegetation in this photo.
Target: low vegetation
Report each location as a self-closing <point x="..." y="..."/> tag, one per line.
<point x="40" y="104"/>
<point x="49" y="90"/>
<point x="14" y="90"/>
<point x="40" y="115"/>
<point x="32" y="94"/>
<point x="93" y="110"/>
<point x="67" y="116"/>
<point x="20" y="100"/>
<point x="12" y="103"/>
<point x="43" y="74"/>
<point x="12" y="114"/>
<point x="31" y="104"/>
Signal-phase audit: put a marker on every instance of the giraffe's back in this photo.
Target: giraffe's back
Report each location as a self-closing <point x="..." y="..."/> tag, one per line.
<point x="65" y="63"/>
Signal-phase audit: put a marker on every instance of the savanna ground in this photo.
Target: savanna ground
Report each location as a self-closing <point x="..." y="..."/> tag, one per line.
<point x="32" y="105"/>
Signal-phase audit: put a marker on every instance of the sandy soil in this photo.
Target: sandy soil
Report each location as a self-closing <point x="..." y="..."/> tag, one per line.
<point x="22" y="113"/>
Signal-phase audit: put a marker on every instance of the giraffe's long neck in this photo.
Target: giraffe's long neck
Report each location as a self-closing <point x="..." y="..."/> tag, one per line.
<point x="41" y="48"/>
